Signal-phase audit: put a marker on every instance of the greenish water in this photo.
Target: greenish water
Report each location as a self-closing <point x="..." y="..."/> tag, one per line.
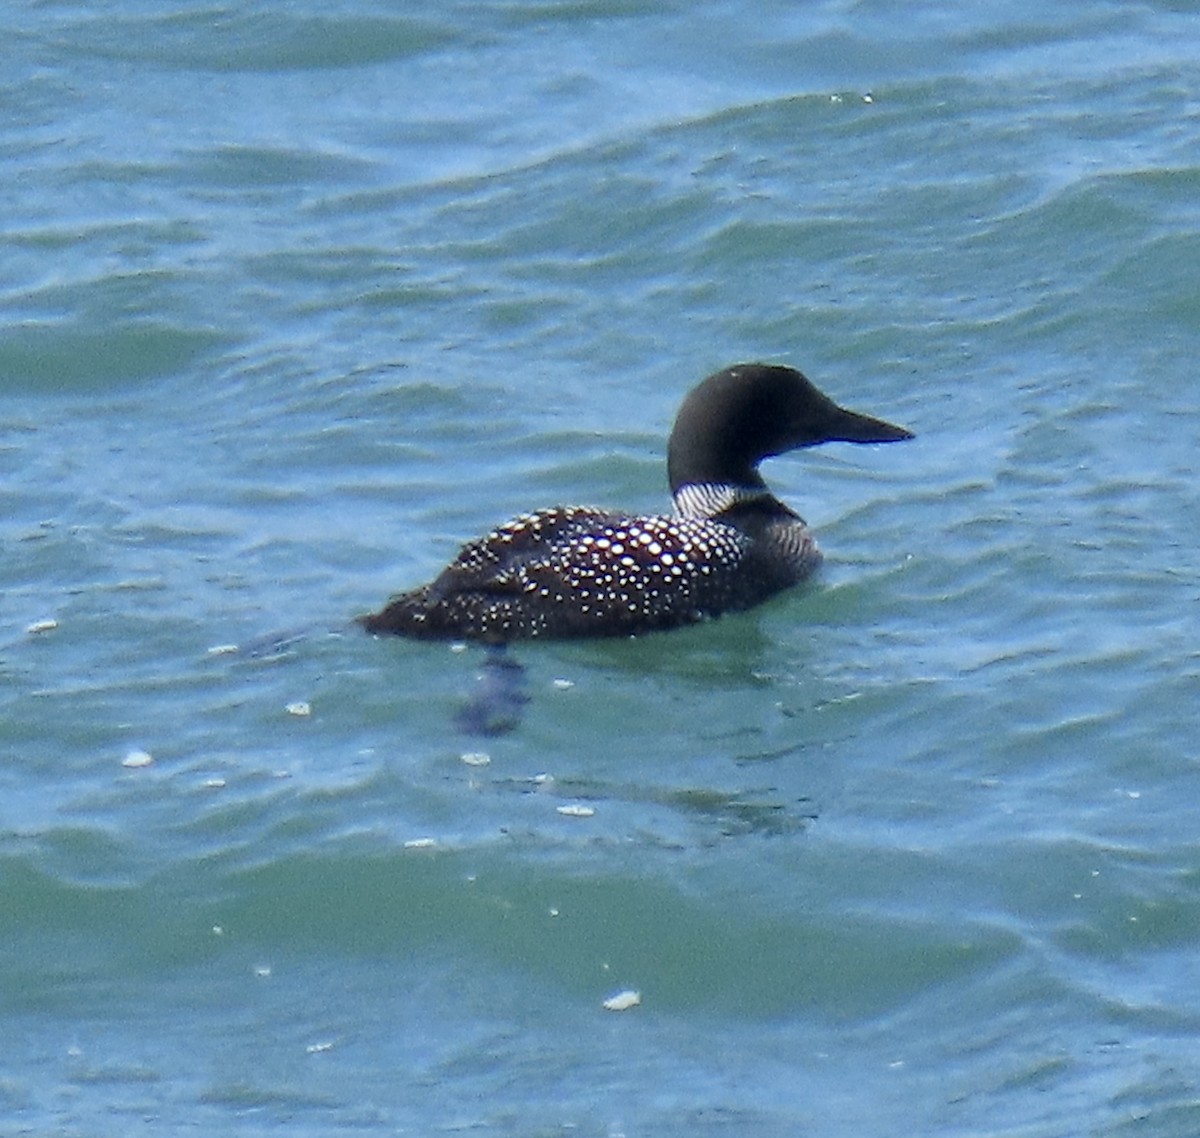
<point x="296" y="299"/>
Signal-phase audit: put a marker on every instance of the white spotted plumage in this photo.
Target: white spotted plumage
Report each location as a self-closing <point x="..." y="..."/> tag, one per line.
<point x="578" y="571"/>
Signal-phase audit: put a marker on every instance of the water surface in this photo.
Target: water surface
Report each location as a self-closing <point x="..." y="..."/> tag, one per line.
<point x="297" y="299"/>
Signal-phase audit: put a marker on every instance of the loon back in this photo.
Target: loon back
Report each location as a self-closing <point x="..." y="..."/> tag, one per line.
<point x="576" y="571"/>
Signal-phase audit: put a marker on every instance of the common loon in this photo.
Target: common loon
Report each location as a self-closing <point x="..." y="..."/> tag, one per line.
<point x="572" y="571"/>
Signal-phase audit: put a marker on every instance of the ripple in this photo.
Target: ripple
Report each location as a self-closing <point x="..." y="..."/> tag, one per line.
<point x="220" y="40"/>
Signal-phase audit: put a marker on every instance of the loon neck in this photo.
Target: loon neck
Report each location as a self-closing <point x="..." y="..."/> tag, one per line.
<point x="709" y="499"/>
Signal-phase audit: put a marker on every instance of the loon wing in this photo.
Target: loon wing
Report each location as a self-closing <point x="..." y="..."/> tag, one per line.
<point x="495" y="563"/>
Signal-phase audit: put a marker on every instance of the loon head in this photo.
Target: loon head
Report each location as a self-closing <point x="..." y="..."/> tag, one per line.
<point x="749" y="412"/>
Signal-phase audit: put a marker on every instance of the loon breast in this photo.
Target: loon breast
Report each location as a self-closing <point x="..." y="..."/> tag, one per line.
<point x="730" y="544"/>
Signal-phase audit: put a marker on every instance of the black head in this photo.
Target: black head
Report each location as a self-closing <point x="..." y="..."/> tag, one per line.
<point x="738" y="417"/>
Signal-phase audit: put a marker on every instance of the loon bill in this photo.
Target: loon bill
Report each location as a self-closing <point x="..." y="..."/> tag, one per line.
<point x="572" y="571"/>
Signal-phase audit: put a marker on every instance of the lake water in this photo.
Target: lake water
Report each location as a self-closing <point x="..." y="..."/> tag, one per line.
<point x="297" y="298"/>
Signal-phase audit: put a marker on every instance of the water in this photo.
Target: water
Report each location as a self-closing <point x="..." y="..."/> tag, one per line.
<point x="298" y="298"/>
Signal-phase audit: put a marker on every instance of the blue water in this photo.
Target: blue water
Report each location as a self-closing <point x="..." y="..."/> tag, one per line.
<point x="297" y="298"/>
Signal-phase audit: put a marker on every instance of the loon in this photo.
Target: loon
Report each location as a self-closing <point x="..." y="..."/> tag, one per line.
<point x="574" y="571"/>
